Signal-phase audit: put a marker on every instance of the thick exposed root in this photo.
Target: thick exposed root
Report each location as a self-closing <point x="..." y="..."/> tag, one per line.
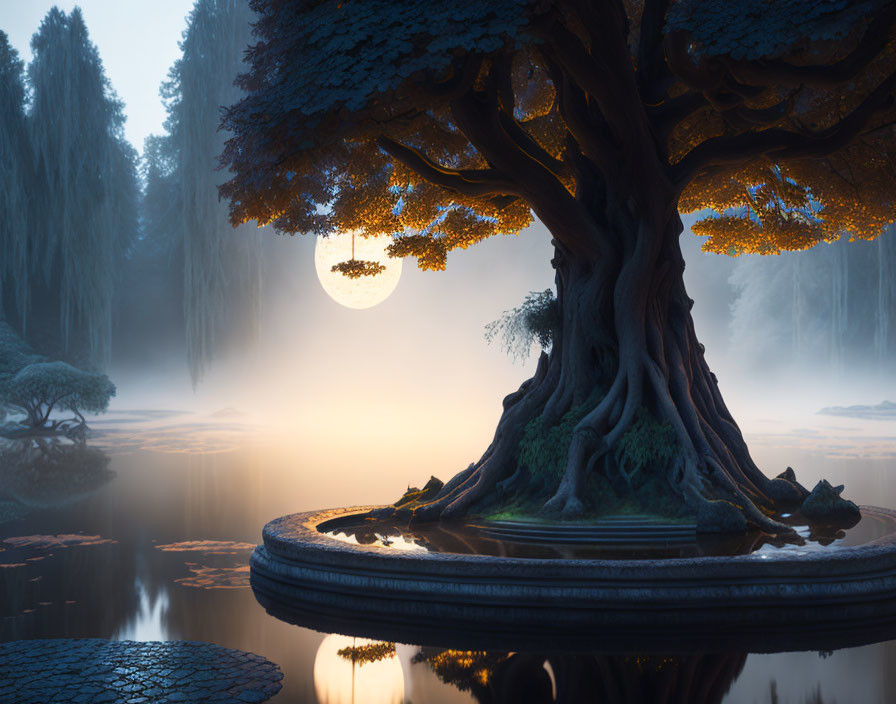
<point x="625" y="330"/>
<point x="706" y="469"/>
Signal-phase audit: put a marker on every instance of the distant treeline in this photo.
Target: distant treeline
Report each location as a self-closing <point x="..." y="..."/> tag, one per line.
<point x="110" y="255"/>
<point x="104" y="253"/>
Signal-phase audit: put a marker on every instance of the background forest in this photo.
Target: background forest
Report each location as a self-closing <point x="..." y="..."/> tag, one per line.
<point x="114" y="259"/>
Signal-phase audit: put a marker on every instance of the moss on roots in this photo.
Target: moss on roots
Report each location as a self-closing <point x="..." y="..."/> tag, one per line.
<point x="647" y="443"/>
<point x="633" y="480"/>
<point x="544" y="451"/>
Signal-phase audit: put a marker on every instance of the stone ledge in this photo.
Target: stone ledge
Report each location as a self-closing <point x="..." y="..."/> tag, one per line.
<point x="300" y="570"/>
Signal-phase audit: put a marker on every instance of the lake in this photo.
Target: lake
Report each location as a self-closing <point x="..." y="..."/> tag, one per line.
<point x="146" y="535"/>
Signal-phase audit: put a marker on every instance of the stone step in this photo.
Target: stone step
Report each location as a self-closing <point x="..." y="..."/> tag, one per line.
<point x="617" y="539"/>
<point x="621" y="523"/>
<point x="614" y="532"/>
<point x="666" y="527"/>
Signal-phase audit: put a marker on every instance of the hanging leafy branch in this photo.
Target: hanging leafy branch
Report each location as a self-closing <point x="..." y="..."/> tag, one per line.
<point x="356" y="268"/>
<point x="531" y="322"/>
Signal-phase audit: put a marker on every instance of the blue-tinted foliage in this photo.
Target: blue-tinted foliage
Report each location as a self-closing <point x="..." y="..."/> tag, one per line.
<point x="755" y="29"/>
<point x="351" y="51"/>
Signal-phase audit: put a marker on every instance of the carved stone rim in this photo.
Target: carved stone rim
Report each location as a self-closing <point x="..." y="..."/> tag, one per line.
<point x="821" y="599"/>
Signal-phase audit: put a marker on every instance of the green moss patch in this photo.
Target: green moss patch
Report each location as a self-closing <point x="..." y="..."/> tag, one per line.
<point x="543" y="451"/>
<point x="647" y="443"/>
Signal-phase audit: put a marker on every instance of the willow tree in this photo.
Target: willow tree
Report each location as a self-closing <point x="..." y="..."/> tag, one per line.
<point x="221" y="267"/>
<point x="84" y="204"/>
<point x="16" y="165"/>
<point x="443" y="123"/>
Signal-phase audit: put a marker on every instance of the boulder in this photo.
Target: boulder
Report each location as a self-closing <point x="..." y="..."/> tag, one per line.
<point x="825" y="505"/>
<point x="414" y="495"/>
<point x="787" y="474"/>
<point x="784" y="489"/>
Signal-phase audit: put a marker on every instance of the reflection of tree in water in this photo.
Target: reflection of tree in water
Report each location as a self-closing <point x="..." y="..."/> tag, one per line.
<point x="49" y="596"/>
<point x="814" y="697"/>
<point x="526" y="678"/>
<point x="50" y="473"/>
<point x="367" y="653"/>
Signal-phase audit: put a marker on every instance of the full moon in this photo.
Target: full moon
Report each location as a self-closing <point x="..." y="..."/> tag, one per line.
<point x="364" y="291"/>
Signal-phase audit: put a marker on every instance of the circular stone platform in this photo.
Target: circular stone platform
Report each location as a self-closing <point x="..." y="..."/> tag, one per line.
<point x="832" y="595"/>
<point x="91" y="670"/>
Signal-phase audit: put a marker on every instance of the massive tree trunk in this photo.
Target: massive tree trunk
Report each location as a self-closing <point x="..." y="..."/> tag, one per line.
<point x="625" y="396"/>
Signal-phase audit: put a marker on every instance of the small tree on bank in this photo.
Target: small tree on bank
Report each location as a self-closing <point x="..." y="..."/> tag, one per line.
<point x="37" y="387"/>
<point x="442" y="124"/>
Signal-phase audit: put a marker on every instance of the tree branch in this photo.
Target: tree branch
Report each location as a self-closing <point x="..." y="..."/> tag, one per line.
<point x="593" y="137"/>
<point x="703" y="76"/>
<point x="502" y="75"/>
<point x="650" y="49"/>
<point x="468" y="182"/>
<point x="667" y="115"/>
<point x="593" y="76"/>
<point x="784" y="144"/>
<point x="463" y="75"/>
<point x="869" y="47"/>
<point x="478" y="117"/>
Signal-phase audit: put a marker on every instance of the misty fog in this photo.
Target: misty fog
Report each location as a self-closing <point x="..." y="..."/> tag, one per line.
<point x="144" y="277"/>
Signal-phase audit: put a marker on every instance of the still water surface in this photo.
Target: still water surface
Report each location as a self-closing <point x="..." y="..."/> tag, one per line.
<point x="147" y="535"/>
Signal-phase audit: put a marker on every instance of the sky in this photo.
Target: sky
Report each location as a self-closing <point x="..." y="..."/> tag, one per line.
<point x="137" y="41"/>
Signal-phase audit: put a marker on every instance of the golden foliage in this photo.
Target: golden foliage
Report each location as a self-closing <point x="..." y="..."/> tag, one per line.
<point x="780" y="202"/>
<point x="356" y="268"/>
<point x="465" y="668"/>
<point x="371" y="652"/>
<point x="333" y="173"/>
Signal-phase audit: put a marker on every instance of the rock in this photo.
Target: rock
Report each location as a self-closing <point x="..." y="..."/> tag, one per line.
<point x="787" y="474"/>
<point x="720" y="517"/>
<point x="783" y="492"/>
<point x="784" y="489"/>
<point x="432" y="487"/>
<point x="825" y="505"/>
<point x="415" y="495"/>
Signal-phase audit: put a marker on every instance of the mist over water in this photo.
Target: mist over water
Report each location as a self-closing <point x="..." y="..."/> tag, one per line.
<point x="415" y="372"/>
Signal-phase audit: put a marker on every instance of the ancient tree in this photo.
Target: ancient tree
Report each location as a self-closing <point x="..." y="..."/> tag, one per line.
<point x="440" y="124"/>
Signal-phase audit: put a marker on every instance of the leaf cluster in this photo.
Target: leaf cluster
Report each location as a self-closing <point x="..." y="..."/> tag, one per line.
<point x="356" y="268"/>
<point x="545" y="451"/>
<point x="368" y="653"/>
<point x="647" y="443"/>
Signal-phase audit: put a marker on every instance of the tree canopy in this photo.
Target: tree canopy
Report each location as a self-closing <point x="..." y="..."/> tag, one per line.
<point x="442" y="124"/>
